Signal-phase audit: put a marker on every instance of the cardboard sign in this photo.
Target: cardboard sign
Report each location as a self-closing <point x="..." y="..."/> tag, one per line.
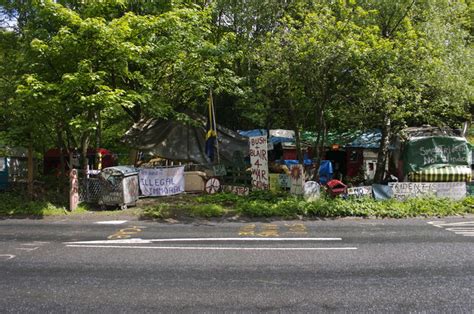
<point x="312" y="191"/>
<point x="297" y="179"/>
<point x="360" y="191"/>
<point x="162" y="182"/>
<point x="452" y="190"/>
<point x="274" y="182"/>
<point x="259" y="162"/>
<point x="235" y="189"/>
<point x="284" y="180"/>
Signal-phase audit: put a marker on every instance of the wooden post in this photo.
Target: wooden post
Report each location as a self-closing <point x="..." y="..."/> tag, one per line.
<point x="211" y="99"/>
<point x="73" y="190"/>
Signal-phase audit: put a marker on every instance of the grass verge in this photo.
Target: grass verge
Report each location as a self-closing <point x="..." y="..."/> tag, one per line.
<point x="256" y="204"/>
<point x="268" y="204"/>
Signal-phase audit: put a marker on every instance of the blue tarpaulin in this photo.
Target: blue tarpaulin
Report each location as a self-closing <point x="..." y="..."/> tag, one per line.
<point x="289" y="162"/>
<point x="325" y="171"/>
<point x="263" y="132"/>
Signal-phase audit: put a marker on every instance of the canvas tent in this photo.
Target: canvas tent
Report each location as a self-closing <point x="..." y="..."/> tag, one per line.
<point x="430" y="154"/>
<point x="182" y="141"/>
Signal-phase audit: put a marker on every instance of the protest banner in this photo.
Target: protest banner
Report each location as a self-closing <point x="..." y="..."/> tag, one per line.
<point x="259" y="162"/>
<point x="452" y="190"/>
<point x="162" y="181"/>
<point x="360" y="191"/>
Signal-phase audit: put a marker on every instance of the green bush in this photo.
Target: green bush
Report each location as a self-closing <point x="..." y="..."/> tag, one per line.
<point x="208" y="210"/>
<point x="160" y="211"/>
<point x="17" y="204"/>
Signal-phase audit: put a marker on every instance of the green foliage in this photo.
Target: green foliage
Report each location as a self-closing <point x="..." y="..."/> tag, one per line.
<point x="208" y="210"/>
<point x="160" y="211"/>
<point x="228" y="199"/>
<point x="268" y="204"/>
<point x="13" y="204"/>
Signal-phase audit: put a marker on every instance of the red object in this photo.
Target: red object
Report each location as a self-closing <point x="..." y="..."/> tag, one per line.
<point x="336" y="187"/>
<point x="52" y="160"/>
<point x="289" y="154"/>
<point x="354" y="161"/>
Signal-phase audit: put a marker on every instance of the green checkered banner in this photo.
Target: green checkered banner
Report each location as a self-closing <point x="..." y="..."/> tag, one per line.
<point x="442" y="174"/>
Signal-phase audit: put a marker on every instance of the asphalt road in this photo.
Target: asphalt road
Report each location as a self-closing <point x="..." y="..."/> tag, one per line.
<point x="346" y="265"/>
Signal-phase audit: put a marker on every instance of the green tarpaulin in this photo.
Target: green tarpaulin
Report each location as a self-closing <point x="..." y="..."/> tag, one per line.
<point x="435" y="152"/>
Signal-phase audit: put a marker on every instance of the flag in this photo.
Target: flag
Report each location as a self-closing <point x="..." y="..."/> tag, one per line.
<point x="211" y="131"/>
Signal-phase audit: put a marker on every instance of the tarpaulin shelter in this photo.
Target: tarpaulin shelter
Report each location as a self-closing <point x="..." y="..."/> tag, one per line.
<point x="182" y="141"/>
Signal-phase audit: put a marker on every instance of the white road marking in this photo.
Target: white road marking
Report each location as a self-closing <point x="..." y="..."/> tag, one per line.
<point x="34" y="243"/>
<point x="464" y="228"/>
<point x="148" y="241"/>
<point x="27" y="248"/>
<point x="111" y="222"/>
<point x="7" y="257"/>
<point x="216" y="248"/>
<point x="442" y="223"/>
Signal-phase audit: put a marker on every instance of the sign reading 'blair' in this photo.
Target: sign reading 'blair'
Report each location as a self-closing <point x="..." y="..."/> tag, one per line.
<point x="259" y="162"/>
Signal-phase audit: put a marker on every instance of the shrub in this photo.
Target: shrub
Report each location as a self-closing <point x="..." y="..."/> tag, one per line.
<point x="208" y="210"/>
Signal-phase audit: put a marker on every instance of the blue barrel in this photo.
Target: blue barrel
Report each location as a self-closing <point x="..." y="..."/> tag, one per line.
<point x="3" y="173"/>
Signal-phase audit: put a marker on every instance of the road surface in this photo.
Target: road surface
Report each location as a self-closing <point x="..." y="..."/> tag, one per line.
<point x="346" y="265"/>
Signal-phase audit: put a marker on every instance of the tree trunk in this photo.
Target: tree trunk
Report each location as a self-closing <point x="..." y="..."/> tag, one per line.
<point x="382" y="156"/>
<point x="62" y="161"/>
<point x="295" y="127"/>
<point x="30" y="171"/>
<point x="84" y="147"/>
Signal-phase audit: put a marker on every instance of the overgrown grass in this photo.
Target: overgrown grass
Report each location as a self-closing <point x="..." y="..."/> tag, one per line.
<point x="17" y="205"/>
<point x="269" y="204"/>
<point x="256" y="204"/>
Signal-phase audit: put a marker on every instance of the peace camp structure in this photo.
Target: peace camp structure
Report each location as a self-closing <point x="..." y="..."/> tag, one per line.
<point x="183" y="141"/>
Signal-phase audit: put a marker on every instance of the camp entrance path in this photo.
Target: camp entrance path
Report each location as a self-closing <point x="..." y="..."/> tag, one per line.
<point x="343" y="265"/>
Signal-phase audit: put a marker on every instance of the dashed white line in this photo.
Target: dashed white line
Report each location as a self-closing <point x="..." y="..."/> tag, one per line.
<point x="7" y="257"/>
<point x="28" y="249"/>
<point x="111" y="222"/>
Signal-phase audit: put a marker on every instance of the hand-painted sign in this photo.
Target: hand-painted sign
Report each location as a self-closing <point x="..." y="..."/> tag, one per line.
<point x="279" y="181"/>
<point x="453" y="190"/>
<point x="219" y="170"/>
<point x="436" y="150"/>
<point x="235" y="189"/>
<point x="74" y="190"/>
<point x="162" y="181"/>
<point x="297" y="179"/>
<point x="259" y="162"/>
<point x="285" y="181"/>
<point x="311" y="191"/>
<point x="360" y="191"/>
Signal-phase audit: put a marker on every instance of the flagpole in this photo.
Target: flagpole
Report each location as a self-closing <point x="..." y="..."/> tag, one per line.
<point x="214" y="122"/>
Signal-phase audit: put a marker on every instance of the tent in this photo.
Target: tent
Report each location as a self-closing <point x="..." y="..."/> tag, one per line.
<point x="182" y="141"/>
<point x="432" y="154"/>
